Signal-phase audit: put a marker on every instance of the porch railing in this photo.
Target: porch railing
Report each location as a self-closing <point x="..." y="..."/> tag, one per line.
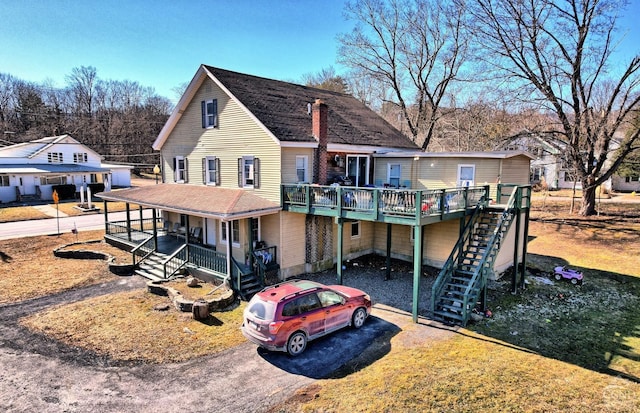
<point x="383" y="201"/>
<point x="207" y="258"/>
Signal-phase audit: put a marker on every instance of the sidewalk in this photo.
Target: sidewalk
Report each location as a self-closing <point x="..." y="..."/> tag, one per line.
<point x="49" y="210"/>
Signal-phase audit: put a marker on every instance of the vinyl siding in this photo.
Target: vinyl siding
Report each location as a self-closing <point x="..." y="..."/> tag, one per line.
<point x="289" y="164"/>
<point x="237" y="135"/>
<point x="292" y="244"/>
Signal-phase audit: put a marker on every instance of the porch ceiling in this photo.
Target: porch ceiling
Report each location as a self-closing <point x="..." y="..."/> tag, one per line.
<point x="221" y="203"/>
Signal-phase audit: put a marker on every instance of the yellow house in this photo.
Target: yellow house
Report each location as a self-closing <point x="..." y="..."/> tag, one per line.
<point x="261" y="179"/>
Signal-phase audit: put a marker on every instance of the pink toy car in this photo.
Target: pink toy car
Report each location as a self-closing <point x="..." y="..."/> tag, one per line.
<point x="572" y="275"/>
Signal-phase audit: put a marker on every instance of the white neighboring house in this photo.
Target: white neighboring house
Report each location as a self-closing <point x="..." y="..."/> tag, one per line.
<point x="29" y="170"/>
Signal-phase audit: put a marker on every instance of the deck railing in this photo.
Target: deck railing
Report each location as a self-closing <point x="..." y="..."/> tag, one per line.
<point x="175" y="262"/>
<point x="382" y="201"/>
<point x="143" y="250"/>
<point x="208" y="258"/>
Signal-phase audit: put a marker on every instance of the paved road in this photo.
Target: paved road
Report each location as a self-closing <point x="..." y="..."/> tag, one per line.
<point x="10" y="230"/>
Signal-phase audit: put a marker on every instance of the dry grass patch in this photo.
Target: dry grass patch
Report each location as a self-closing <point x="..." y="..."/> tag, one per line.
<point x="125" y="326"/>
<point x="30" y="270"/>
<point x="470" y="373"/>
<point x="24" y="213"/>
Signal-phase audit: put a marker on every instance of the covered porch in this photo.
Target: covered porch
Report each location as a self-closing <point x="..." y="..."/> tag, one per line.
<point x="209" y="231"/>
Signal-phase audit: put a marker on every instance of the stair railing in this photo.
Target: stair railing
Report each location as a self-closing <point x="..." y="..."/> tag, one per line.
<point x="175" y="262"/>
<point x="445" y="274"/>
<point x="144" y="249"/>
<point x="479" y="277"/>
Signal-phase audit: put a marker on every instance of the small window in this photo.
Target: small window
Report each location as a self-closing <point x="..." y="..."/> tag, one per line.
<point x="302" y="168"/>
<point x="180" y="169"/>
<point x="211" y="169"/>
<point x="248" y="172"/>
<point x="80" y="157"/>
<point x="355" y="229"/>
<point x="55" y="157"/>
<point x="4" y="180"/>
<point x="255" y="228"/>
<point x="210" y="113"/>
<point x="466" y="174"/>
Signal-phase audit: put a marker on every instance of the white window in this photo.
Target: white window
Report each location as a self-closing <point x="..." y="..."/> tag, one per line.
<point x="55" y="157"/>
<point x="355" y="229"/>
<point x="393" y="175"/>
<point x="212" y="172"/>
<point x="302" y="168"/>
<point x="248" y="172"/>
<point x="466" y="174"/>
<point x="180" y="169"/>
<point x="4" y="180"/>
<point x="210" y="113"/>
<point x="235" y="232"/>
<point x="80" y="157"/>
<point x="53" y="180"/>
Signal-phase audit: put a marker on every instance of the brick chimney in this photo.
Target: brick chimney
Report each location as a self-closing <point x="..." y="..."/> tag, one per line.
<point x="319" y="129"/>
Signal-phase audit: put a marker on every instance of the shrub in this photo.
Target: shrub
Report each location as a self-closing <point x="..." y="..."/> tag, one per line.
<point x="65" y="191"/>
<point x="97" y="187"/>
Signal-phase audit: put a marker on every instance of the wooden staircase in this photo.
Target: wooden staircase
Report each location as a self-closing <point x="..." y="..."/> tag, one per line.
<point x="152" y="267"/>
<point x="461" y="283"/>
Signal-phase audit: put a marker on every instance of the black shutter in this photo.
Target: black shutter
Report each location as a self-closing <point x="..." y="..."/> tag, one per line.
<point x="203" y="104"/>
<point x="217" y="171"/>
<point x="256" y="173"/>
<point x="204" y="171"/>
<point x="175" y="169"/>
<point x="215" y="113"/>
<point x="240" y="172"/>
<point x="186" y="170"/>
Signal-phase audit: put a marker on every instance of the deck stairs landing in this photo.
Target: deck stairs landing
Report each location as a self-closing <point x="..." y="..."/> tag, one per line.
<point x="152" y="267"/>
<point x="462" y="281"/>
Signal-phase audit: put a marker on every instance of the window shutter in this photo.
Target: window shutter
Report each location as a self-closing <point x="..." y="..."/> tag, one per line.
<point x="215" y="113"/>
<point x="186" y="170"/>
<point x="175" y="169"/>
<point x="217" y="171"/>
<point x="203" y="105"/>
<point x="240" y="172"/>
<point x="256" y="173"/>
<point x="204" y="171"/>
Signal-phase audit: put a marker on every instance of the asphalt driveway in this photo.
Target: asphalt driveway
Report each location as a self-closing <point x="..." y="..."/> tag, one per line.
<point x="43" y="375"/>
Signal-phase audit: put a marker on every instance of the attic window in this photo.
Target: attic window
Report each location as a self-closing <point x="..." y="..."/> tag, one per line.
<point x="80" y="157"/>
<point x="209" y="113"/>
<point x="55" y="157"/>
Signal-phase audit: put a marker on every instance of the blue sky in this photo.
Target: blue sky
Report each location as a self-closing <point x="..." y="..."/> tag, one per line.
<point x="161" y="43"/>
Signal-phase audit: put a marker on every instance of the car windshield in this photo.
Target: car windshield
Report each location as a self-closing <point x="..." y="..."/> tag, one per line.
<point x="264" y="310"/>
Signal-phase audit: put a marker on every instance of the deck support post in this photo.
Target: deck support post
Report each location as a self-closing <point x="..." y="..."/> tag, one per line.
<point x="340" y="258"/>
<point x="514" y="279"/>
<point x="229" y="272"/>
<point x="388" y="273"/>
<point x="155" y="228"/>
<point x="524" y="247"/>
<point x="141" y="218"/>
<point x="417" y="268"/>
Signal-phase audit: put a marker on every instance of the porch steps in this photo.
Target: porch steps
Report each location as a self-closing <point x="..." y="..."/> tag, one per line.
<point x="152" y="267"/>
<point x="462" y="282"/>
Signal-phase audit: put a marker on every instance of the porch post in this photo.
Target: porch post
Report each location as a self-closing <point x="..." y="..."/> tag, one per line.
<point x="141" y="217"/>
<point x="250" y="221"/>
<point x="388" y="273"/>
<point x="229" y="253"/>
<point x="128" y="215"/>
<point x="186" y="230"/>
<point x="339" y="263"/>
<point x="155" y="228"/>
<point x="417" y="268"/>
<point x="106" y="217"/>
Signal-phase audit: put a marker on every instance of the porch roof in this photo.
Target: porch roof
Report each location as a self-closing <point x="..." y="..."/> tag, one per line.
<point x="222" y="203"/>
<point x="25" y="168"/>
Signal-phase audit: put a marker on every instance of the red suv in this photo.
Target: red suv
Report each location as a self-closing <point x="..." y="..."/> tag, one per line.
<point x="285" y="316"/>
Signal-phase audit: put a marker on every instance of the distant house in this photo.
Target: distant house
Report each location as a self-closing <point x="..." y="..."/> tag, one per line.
<point x="260" y="175"/>
<point x="30" y="170"/>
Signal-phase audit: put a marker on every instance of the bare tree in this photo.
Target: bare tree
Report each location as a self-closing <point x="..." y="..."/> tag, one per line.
<point x="416" y="48"/>
<point x="558" y="54"/>
<point x="326" y="79"/>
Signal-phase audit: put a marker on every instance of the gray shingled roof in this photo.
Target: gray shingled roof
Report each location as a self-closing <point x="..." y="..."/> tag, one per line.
<point x="282" y="108"/>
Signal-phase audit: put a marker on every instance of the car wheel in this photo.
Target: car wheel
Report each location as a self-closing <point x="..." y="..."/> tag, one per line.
<point x="574" y="281"/>
<point x="297" y="343"/>
<point x="557" y="276"/>
<point x="357" y="320"/>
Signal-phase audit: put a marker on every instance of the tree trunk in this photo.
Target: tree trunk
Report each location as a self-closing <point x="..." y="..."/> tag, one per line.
<point x="588" y="197"/>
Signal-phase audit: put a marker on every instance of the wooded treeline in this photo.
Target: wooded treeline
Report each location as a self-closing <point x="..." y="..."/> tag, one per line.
<point x="119" y="119"/>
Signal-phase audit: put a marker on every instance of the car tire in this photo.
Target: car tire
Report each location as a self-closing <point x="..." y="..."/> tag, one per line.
<point x="358" y="317"/>
<point x="574" y="281"/>
<point x="296" y="343"/>
<point x="557" y="276"/>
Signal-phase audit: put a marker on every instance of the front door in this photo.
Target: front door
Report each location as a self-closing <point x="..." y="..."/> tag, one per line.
<point x="358" y="169"/>
<point x="211" y="232"/>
